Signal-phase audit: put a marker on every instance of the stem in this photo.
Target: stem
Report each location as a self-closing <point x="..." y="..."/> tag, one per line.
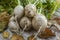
<point x="18" y="2"/>
<point x="17" y="22"/>
<point x="39" y="31"/>
<point x="54" y="9"/>
<point x="41" y="7"/>
<point x="29" y="2"/>
<point x="36" y="2"/>
<point x="40" y="10"/>
<point x="24" y="29"/>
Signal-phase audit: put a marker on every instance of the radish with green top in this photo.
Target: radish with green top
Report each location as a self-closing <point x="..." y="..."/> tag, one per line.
<point x="18" y="10"/>
<point x="39" y="22"/>
<point x="30" y="10"/>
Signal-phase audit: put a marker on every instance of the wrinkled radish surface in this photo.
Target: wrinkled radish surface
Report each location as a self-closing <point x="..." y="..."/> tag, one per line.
<point x="25" y="22"/>
<point x="30" y="10"/>
<point x="19" y="11"/>
<point x="12" y="25"/>
<point x="39" y="21"/>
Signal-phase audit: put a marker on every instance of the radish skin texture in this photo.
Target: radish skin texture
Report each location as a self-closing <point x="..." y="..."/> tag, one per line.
<point x="30" y="10"/>
<point x="19" y="11"/>
<point x="12" y="25"/>
<point x="25" y="22"/>
<point x="38" y="21"/>
<point x="12" y="18"/>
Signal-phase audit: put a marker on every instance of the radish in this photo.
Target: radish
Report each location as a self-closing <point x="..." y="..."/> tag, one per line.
<point x="18" y="11"/>
<point x="39" y="20"/>
<point x="39" y="23"/>
<point x="30" y="10"/>
<point x="13" y="25"/>
<point x="25" y="23"/>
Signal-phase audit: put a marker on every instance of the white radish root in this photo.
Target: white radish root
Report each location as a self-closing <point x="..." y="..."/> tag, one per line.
<point x="39" y="20"/>
<point x="24" y="29"/>
<point x="30" y="10"/>
<point x="39" y="23"/>
<point x="13" y="25"/>
<point x="19" y="11"/>
<point x="25" y="22"/>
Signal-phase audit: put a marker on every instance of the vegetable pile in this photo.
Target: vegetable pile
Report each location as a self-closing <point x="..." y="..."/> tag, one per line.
<point x="17" y="37"/>
<point x="27" y="14"/>
<point x="28" y="19"/>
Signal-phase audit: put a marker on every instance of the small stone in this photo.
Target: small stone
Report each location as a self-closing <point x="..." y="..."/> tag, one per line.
<point x="5" y="34"/>
<point x="31" y="37"/>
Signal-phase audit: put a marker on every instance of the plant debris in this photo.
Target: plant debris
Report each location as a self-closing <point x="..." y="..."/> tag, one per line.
<point x="4" y="19"/>
<point x="46" y="34"/>
<point x="5" y="34"/>
<point x="37" y="13"/>
<point x="57" y="20"/>
<point x="16" y="37"/>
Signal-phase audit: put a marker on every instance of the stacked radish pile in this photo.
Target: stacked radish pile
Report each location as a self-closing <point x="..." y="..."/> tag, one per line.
<point x="26" y="18"/>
